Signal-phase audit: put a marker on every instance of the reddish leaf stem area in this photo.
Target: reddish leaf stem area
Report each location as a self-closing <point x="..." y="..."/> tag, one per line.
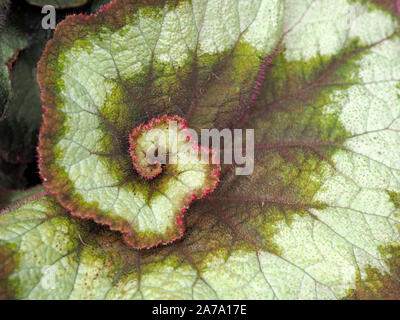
<point x="224" y="218"/>
<point x="243" y="110"/>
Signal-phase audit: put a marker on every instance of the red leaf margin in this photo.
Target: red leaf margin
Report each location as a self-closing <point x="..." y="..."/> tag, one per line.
<point x="69" y="30"/>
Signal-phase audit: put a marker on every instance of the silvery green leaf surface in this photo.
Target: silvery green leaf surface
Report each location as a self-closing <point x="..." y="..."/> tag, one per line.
<point x="317" y="219"/>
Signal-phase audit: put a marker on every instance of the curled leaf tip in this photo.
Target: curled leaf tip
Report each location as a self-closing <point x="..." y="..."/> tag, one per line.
<point x="166" y="146"/>
<point x="150" y="140"/>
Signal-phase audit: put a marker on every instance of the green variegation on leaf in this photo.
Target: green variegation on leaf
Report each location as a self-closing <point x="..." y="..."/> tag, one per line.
<point x="317" y="219"/>
<point x="103" y="75"/>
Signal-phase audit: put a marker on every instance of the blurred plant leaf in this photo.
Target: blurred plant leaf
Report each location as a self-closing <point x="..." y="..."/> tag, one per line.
<point x="11" y="42"/>
<point x="96" y="4"/>
<point x="59" y="4"/>
<point x="20" y="128"/>
<point x="14" y="197"/>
